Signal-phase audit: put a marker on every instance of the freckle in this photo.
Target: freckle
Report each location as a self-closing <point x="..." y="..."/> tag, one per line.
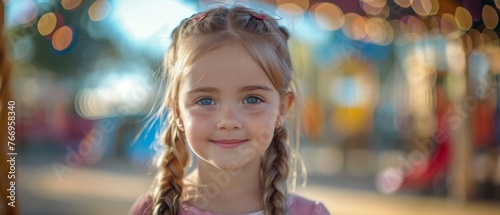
<point x="264" y="136"/>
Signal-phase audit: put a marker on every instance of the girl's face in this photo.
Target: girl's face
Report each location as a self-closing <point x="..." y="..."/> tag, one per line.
<point x="229" y="108"/>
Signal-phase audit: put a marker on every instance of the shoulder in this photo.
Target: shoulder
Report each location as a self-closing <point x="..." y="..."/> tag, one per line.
<point x="300" y="205"/>
<point x="142" y="206"/>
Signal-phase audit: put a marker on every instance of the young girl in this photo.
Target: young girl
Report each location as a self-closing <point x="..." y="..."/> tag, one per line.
<point x="228" y="91"/>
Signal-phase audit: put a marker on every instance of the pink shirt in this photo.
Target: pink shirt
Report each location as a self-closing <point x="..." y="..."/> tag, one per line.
<point x="296" y="206"/>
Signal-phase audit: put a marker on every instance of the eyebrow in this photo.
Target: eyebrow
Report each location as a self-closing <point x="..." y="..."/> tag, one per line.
<point x="203" y="89"/>
<point x="256" y="87"/>
<point x="243" y="89"/>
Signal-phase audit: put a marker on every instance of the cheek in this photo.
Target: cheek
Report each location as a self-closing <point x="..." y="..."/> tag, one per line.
<point x="263" y="138"/>
<point x="195" y="131"/>
<point x="263" y="129"/>
<point x="265" y="118"/>
<point x="194" y="119"/>
<point x="195" y="126"/>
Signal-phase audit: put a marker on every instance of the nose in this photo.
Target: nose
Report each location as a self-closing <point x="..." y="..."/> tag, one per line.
<point x="229" y="119"/>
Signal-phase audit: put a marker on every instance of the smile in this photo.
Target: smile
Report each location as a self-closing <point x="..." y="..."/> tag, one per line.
<point x="233" y="143"/>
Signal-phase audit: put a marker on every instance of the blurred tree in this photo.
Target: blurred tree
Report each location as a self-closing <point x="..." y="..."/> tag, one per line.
<point x="70" y="62"/>
<point x="5" y="97"/>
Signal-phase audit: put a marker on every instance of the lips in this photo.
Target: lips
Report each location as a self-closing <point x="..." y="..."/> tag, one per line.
<point x="231" y="143"/>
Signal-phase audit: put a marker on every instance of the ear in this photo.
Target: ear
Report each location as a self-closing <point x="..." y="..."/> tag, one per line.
<point x="178" y="119"/>
<point x="286" y="103"/>
<point x="177" y="113"/>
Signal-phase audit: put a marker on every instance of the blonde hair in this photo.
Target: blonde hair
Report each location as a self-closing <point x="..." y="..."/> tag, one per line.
<point x="266" y="41"/>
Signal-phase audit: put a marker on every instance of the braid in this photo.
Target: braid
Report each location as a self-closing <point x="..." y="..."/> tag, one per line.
<point x="174" y="159"/>
<point x="275" y="173"/>
<point x="171" y="172"/>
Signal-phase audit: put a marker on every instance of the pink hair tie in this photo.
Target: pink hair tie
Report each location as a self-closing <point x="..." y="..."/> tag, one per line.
<point x="200" y="17"/>
<point x="258" y="16"/>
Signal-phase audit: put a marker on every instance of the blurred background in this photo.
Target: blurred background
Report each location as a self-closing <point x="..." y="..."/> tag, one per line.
<point x="400" y="101"/>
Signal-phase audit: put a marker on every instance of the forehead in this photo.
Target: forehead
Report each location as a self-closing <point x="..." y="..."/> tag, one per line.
<point x="226" y="66"/>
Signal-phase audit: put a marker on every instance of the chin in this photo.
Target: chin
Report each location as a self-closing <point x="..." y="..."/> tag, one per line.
<point x="229" y="165"/>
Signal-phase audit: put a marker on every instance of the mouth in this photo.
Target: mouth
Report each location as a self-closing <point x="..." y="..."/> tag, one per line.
<point x="231" y="143"/>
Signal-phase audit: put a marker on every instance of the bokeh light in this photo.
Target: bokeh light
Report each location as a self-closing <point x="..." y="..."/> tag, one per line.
<point x="493" y="56"/>
<point x="30" y="90"/>
<point x="492" y="35"/>
<point x="463" y="18"/>
<point x="425" y="7"/>
<point x="354" y="26"/>
<point x="63" y="38"/>
<point x="389" y="180"/>
<point x="374" y="3"/>
<point x="467" y="43"/>
<point x="328" y="16"/>
<point x="371" y="9"/>
<point x="455" y="58"/>
<point x="126" y="97"/>
<point x="47" y="23"/>
<point x="449" y="25"/>
<point x="359" y="27"/>
<point x="395" y="25"/>
<point x="70" y="4"/>
<point x="477" y="39"/>
<point x="141" y="21"/>
<point x="389" y="34"/>
<point x="291" y="9"/>
<point x="379" y="31"/>
<point x="404" y="3"/>
<point x="99" y="10"/>
<point x="435" y="25"/>
<point x="413" y="29"/>
<point x="313" y="117"/>
<point x="384" y="14"/>
<point x="26" y="11"/>
<point x="486" y="37"/>
<point x="302" y="4"/>
<point x="23" y="49"/>
<point x="490" y="17"/>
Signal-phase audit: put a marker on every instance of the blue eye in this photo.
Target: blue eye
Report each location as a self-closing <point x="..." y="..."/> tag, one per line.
<point x="205" y="101"/>
<point x="253" y="100"/>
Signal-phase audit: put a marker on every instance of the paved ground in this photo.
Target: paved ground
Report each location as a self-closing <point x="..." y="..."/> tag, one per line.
<point x="112" y="187"/>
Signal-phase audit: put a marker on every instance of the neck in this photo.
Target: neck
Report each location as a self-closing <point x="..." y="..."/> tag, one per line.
<point x="226" y="191"/>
